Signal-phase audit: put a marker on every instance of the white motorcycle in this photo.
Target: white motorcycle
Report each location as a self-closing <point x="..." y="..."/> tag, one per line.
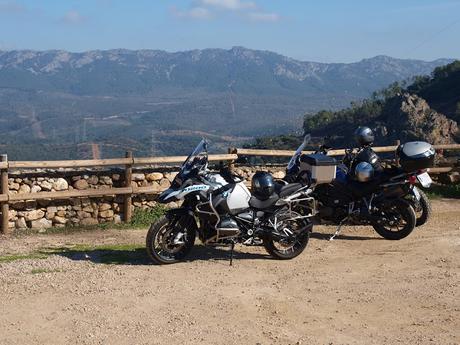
<point x="219" y="208"/>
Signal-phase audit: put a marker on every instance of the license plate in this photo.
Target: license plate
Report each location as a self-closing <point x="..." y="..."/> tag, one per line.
<point x="425" y="180"/>
<point x="416" y="193"/>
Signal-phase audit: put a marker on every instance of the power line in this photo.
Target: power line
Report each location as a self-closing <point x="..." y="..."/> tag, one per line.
<point x="445" y="28"/>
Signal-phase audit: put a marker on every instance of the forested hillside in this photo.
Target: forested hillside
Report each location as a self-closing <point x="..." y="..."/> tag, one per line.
<point x="427" y="109"/>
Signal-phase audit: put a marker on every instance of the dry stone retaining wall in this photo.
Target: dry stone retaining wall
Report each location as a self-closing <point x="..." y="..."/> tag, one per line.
<point x="42" y="214"/>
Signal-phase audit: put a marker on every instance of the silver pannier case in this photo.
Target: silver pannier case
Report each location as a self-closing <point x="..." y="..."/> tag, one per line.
<point x="321" y="168"/>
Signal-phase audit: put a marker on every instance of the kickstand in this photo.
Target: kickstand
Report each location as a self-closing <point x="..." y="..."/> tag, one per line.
<point x="231" y="253"/>
<point x="339" y="228"/>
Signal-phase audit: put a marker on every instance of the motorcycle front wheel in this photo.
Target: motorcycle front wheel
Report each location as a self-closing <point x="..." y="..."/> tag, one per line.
<point x="289" y="238"/>
<point x="395" y="219"/>
<point x="169" y="241"/>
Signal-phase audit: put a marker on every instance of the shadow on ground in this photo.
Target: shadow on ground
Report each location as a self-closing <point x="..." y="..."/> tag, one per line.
<point x="138" y="256"/>
<point x="321" y="236"/>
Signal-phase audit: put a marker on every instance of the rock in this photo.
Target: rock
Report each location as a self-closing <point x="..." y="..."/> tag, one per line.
<point x="106" y="180"/>
<point x="88" y="209"/>
<point x="12" y="214"/>
<point x="75" y="202"/>
<point x="60" y="184"/>
<point x="60" y="220"/>
<point x="75" y="220"/>
<point x="50" y="215"/>
<point x="93" y="179"/>
<point x="81" y="184"/>
<point x="164" y="183"/>
<point x="21" y="223"/>
<point x="106" y="214"/>
<point x="71" y="213"/>
<point x="85" y="202"/>
<point x="61" y="213"/>
<point x="171" y="176"/>
<point x="41" y="224"/>
<point x="51" y="209"/>
<point x="156" y="187"/>
<point x="35" y="189"/>
<point x="279" y="174"/>
<point x="45" y="185"/>
<point x="138" y="177"/>
<point x="89" y="221"/>
<point x="117" y="219"/>
<point x="116" y="177"/>
<point x="155" y="176"/>
<point x="408" y="117"/>
<point x="34" y="214"/>
<point x="83" y="214"/>
<point x="24" y="189"/>
<point x="14" y="186"/>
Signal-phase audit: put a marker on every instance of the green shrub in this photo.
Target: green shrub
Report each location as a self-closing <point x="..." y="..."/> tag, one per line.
<point x="143" y="218"/>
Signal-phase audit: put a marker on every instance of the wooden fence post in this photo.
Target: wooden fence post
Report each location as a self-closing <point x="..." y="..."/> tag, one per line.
<point x="128" y="179"/>
<point x="231" y="163"/>
<point x="5" y="206"/>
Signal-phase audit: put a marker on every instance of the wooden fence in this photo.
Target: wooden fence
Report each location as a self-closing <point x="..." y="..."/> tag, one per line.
<point x="128" y="163"/>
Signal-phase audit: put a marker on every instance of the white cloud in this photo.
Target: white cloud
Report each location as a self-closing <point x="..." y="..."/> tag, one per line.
<point x="263" y="17"/>
<point x="206" y="9"/>
<point x="192" y="13"/>
<point x="73" y="17"/>
<point x="229" y="4"/>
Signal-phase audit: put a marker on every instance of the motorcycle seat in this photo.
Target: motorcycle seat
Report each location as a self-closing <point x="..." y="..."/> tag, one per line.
<point x="287" y="189"/>
<point x="263" y="204"/>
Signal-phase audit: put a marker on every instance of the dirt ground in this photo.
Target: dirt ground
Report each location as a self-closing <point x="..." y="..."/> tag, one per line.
<point x="358" y="289"/>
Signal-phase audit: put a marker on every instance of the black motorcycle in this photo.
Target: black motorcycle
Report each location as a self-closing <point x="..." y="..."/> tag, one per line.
<point x="417" y="198"/>
<point x="360" y="199"/>
<point x="219" y="208"/>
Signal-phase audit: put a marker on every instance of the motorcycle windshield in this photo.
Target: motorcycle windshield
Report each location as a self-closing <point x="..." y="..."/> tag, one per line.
<point x="197" y="159"/>
<point x="298" y="152"/>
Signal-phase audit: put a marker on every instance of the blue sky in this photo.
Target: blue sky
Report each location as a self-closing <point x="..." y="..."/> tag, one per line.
<point x="320" y="30"/>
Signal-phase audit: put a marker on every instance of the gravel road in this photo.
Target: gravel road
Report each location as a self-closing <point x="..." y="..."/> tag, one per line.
<point x="358" y="289"/>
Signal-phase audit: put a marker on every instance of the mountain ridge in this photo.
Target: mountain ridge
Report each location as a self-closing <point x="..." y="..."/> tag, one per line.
<point x="157" y="102"/>
<point x="241" y="67"/>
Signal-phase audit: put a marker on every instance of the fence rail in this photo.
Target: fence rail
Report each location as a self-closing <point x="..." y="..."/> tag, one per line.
<point x="128" y="162"/>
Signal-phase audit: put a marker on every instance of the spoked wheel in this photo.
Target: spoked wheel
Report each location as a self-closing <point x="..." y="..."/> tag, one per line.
<point x="422" y="208"/>
<point x="289" y="237"/>
<point x="169" y="242"/>
<point x="396" y="219"/>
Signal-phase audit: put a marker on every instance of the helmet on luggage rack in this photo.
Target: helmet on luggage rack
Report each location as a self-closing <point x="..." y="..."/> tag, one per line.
<point x="364" y="136"/>
<point x="364" y="171"/>
<point x="262" y="185"/>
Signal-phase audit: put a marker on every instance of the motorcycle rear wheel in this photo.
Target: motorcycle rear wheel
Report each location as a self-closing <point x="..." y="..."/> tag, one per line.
<point x="397" y="220"/>
<point x="288" y="248"/>
<point x="160" y="240"/>
<point x="423" y="211"/>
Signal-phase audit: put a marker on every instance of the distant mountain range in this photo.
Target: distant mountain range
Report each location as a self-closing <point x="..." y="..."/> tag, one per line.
<point x="149" y="100"/>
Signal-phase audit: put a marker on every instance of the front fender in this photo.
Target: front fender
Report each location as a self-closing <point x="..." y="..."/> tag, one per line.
<point x="175" y="213"/>
<point x="168" y="195"/>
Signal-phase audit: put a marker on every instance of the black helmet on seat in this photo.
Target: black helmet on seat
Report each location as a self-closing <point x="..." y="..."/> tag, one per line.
<point x="364" y="136"/>
<point x="262" y="185"/>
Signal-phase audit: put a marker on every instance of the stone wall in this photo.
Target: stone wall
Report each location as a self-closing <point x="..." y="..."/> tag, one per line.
<point x="42" y="214"/>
